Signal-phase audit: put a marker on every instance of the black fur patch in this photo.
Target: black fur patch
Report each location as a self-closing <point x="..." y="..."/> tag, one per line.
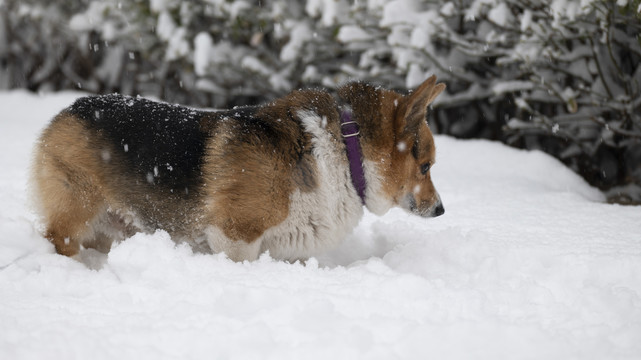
<point x="162" y="143"/>
<point x="415" y="148"/>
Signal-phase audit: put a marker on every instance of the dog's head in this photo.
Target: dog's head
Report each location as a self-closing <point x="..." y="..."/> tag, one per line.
<point x="400" y="144"/>
<point x="397" y="140"/>
<point x="414" y="154"/>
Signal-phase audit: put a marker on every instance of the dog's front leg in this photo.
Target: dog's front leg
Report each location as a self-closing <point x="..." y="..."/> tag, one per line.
<point x="236" y="250"/>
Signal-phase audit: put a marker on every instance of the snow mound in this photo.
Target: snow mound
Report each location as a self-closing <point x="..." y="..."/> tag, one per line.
<point x="527" y="262"/>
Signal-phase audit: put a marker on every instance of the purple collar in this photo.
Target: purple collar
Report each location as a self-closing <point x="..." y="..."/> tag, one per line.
<point x="350" y="132"/>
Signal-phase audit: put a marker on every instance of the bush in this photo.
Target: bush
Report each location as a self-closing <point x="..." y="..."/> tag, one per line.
<point x="562" y="76"/>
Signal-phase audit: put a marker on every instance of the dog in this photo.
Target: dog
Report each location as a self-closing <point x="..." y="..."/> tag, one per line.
<point x="290" y="177"/>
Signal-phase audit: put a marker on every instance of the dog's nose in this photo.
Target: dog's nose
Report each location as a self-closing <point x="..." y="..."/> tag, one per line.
<point x="439" y="210"/>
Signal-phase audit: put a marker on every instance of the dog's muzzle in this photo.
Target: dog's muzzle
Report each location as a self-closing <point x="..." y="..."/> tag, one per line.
<point x="424" y="209"/>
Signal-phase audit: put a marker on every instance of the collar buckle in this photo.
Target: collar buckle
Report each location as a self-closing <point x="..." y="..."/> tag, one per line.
<point x="348" y="135"/>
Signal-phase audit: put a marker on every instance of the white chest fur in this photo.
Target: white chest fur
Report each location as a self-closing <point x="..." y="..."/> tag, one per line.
<point x="320" y="219"/>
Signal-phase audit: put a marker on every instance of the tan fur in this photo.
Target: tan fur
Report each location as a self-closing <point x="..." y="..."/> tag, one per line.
<point x="69" y="191"/>
<point x="249" y="190"/>
<point x="253" y="174"/>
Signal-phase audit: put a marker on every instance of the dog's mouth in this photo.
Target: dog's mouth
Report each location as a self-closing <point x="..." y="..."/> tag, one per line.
<point x="424" y="209"/>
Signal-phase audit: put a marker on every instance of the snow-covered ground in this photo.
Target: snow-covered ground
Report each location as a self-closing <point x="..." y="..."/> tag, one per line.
<point x="527" y="263"/>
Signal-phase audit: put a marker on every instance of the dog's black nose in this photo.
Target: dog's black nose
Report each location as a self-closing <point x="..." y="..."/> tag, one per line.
<point x="440" y="210"/>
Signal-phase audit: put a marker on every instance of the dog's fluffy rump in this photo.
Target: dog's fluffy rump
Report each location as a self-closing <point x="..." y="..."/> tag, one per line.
<point x="243" y="181"/>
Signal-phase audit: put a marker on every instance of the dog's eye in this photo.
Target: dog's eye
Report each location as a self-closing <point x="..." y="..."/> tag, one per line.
<point x="425" y="168"/>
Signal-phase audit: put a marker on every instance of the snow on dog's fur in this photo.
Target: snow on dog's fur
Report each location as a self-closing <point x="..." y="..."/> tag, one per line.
<point x="273" y="177"/>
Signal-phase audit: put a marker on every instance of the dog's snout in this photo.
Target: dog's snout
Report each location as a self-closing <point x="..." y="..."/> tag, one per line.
<point x="425" y="210"/>
<point x="439" y="210"/>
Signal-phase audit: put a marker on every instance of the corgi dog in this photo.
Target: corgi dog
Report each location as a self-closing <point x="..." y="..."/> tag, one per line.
<point x="290" y="177"/>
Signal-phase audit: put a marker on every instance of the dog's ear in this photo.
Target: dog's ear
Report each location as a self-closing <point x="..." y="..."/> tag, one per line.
<point x="415" y="104"/>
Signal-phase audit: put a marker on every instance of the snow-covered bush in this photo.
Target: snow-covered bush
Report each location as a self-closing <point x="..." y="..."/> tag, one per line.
<point x="562" y="75"/>
<point x="584" y="67"/>
<point x="558" y="75"/>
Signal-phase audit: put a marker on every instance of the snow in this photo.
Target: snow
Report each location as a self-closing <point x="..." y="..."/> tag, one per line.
<point x="95" y="18"/>
<point x="400" y="12"/>
<point x="568" y="9"/>
<point x="160" y="5"/>
<point x="352" y="33"/>
<point x="422" y="33"/>
<point x="500" y="14"/>
<point x="300" y="33"/>
<point x="329" y="11"/>
<point x="475" y="10"/>
<point x="528" y="262"/>
<point x="166" y="26"/>
<point x="511" y="86"/>
<point x="254" y="64"/>
<point x="415" y="76"/>
<point x="203" y="44"/>
<point x="448" y="9"/>
<point x="526" y="20"/>
<point x="176" y="37"/>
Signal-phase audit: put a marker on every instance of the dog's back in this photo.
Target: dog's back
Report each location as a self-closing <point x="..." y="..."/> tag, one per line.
<point x="157" y="142"/>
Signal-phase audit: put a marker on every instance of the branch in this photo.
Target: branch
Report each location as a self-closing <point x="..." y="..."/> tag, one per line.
<point x="615" y="129"/>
